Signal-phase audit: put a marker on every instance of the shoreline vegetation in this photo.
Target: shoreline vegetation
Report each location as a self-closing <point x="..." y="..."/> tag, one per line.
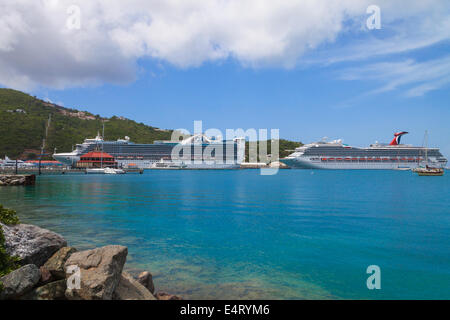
<point x="23" y="120"/>
<point x="37" y="264"/>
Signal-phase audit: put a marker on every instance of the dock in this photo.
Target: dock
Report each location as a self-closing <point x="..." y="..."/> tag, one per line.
<point x="54" y="171"/>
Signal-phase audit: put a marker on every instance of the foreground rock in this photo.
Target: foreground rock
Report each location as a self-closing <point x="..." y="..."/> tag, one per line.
<point x="46" y="276"/>
<point x="55" y="265"/>
<point x="166" y="296"/>
<point x="47" y="266"/>
<point x="146" y="279"/>
<point x="130" y="289"/>
<point x="33" y="245"/>
<point x="52" y="291"/>
<point x="100" y="272"/>
<point x="19" y="282"/>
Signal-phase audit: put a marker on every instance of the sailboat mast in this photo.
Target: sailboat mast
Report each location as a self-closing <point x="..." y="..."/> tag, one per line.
<point x="426" y="146"/>
<point x="103" y="139"/>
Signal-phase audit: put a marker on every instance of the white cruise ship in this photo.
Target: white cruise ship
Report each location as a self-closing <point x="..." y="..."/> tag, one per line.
<point x="336" y="155"/>
<point x="195" y="152"/>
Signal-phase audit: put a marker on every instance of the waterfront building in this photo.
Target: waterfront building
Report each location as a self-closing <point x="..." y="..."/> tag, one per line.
<point x="96" y="159"/>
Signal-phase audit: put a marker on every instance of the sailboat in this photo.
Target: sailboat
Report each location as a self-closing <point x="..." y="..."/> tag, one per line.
<point x="428" y="170"/>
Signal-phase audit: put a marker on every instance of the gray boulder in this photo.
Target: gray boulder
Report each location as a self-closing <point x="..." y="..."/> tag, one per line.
<point x="130" y="289"/>
<point x="19" y="282"/>
<point x="51" y="291"/>
<point x="146" y="279"/>
<point x="100" y="272"/>
<point x="55" y="265"/>
<point x="33" y="245"/>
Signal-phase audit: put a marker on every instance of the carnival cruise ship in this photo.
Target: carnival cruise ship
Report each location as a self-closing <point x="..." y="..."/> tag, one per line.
<point x="336" y="155"/>
<point x="195" y="152"/>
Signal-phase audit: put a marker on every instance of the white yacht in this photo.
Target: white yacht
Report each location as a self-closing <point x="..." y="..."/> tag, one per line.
<point x="104" y="171"/>
<point x="9" y="163"/>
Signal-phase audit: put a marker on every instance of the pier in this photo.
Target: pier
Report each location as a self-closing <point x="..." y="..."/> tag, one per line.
<point x="56" y="171"/>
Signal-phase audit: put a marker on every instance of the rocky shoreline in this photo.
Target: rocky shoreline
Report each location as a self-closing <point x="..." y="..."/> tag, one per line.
<point x="17" y="180"/>
<point x="51" y="270"/>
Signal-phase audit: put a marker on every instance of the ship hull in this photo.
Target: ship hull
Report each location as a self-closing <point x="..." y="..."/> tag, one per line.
<point x="212" y="166"/>
<point x="194" y="165"/>
<point x="431" y="173"/>
<point x="69" y="160"/>
<point x="298" y="163"/>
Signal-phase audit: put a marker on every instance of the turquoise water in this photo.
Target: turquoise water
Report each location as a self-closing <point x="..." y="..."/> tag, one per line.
<point x="299" y="234"/>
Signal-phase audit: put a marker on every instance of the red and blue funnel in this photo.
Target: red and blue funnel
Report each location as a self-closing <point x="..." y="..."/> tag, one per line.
<point x="397" y="137"/>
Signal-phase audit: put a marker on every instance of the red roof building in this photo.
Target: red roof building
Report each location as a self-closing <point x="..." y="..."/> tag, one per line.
<point x="96" y="159"/>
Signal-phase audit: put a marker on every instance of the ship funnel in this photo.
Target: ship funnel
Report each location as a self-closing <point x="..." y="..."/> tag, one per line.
<point x="397" y="137"/>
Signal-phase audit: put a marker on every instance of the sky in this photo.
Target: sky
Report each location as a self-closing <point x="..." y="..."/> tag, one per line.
<point x="352" y="69"/>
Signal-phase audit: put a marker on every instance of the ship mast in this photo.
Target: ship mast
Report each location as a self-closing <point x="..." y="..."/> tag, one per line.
<point x="103" y="139"/>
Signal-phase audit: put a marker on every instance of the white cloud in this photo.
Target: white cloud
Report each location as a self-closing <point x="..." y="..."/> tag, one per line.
<point x="36" y="48"/>
<point x="415" y="78"/>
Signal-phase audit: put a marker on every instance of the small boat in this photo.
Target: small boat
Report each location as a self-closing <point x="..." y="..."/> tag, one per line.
<point x="9" y="163"/>
<point x="168" y="165"/>
<point x="110" y="171"/>
<point x="105" y="171"/>
<point x="403" y="168"/>
<point x="428" y="171"/>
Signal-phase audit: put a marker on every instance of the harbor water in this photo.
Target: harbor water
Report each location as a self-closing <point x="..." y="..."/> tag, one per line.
<point x="299" y="234"/>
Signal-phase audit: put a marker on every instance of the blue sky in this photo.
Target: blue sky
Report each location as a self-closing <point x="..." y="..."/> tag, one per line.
<point x="305" y="104"/>
<point x="316" y="73"/>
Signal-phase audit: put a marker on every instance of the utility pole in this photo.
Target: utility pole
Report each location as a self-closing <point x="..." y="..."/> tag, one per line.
<point x="44" y="141"/>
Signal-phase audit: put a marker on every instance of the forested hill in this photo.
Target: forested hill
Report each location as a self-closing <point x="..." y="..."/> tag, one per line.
<point x="23" y="120"/>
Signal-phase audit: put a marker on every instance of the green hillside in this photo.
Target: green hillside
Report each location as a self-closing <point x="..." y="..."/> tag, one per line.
<point x="23" y="120"/>
<point x="21" y="131"/>
<point x="286" y="148"/>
